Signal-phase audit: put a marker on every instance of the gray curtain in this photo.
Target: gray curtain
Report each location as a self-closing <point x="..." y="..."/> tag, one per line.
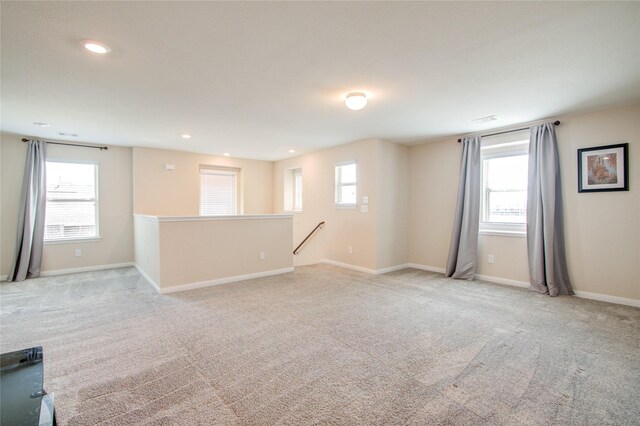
<point x="545" y="227"/>
<point x="29" y="243"/>
<point x="464" y="239"/>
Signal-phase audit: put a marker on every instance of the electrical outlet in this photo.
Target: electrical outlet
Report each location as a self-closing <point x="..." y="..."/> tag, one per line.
<point x="491" y="258"/>
<point x="261" y="255"/>
<point x="78" y="252"/>
<point x="350" y="250"/>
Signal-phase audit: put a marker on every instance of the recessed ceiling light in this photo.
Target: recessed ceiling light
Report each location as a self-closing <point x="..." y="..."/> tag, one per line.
<point x="96" y="47"/>
<point x="226" y="154"/>
<point x="186" y="136"/>
<point x="355" y="100"/>
<point x="486" y="119"/>
<point x="292" y="151"/>
<point x="41" y="124"/>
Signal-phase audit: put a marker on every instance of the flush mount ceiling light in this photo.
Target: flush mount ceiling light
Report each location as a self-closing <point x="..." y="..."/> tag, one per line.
<point x="355" y="100"/>
<point x="185" y="136"/>
<point x="292" y="151"/>
<point x="96" y="47"/>
<point x="226" y="154"/>
<point x="37" y="123"/>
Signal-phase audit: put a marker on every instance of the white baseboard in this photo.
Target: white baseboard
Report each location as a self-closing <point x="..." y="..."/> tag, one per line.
<point x="151" y="282"/>
<point x="85" y="269"/>
<point x="606" y="298"/>
<point x="392" y="269"/>
<point x="209" y="283"/>
<point x="506" y="281"/>
<point x="524" y="284"/>
<point x="426" y="268"/>
<point x="349" y="266"/>
<point x="365" y="270"/>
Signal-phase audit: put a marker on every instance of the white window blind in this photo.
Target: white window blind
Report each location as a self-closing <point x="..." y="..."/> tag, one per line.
<point x="72" y="201"/>
<point x="218" y="192"/>
<point x="346" y="182"/>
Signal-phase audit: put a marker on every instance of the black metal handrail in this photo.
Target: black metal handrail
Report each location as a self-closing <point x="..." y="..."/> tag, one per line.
<point x="308" y="236"/>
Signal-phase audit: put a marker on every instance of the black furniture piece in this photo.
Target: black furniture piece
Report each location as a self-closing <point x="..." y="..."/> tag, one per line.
<point x="23" y="401"/>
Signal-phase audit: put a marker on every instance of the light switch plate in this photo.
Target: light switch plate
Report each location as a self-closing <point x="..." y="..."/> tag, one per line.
<point x="364" y="209"/>
<point x="365" y="200"/>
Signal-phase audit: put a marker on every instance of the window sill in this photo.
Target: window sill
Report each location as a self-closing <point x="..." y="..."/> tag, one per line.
<point x="345" y="206"/>
<point x="72" y="240"/>
<point x="497" y="233"/>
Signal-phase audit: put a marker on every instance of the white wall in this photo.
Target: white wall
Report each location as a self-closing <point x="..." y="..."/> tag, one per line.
<point x="116" y="223"/>
<point x="602" y="229"/>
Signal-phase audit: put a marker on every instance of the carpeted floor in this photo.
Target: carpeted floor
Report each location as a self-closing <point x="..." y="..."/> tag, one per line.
<point x="325" y="345"/>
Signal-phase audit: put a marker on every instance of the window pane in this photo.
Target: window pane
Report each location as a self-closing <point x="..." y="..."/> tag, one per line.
<point x="70" y="181"/>
<point x="66" y="219"/>
<point x="347" y="194"/>
<point x="507" y="206"/>
<point x="71" y="210"/>
<point x="347" y="173"/>
<point x="504" y="189"/>
<point x="297" y="204"/>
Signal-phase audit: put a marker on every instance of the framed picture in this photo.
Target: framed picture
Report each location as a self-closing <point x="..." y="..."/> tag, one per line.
<point x="603" y="168"/>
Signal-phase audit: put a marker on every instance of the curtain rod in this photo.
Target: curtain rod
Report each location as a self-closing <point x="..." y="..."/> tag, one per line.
<point x="73" y="144"/>
<point x="555" y="123"/>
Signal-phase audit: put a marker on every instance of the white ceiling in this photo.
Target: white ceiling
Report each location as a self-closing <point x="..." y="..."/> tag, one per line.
<point x="257" y="79"/>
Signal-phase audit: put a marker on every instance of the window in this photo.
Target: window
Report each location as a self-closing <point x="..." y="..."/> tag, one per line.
<point x="504" y="187"/>
<point x="293" y="190"/>
<point x="346" y="177"/>
<point x="72" y="201"/>
<point x="297" y="190"/>
<point x="218" y="191"/>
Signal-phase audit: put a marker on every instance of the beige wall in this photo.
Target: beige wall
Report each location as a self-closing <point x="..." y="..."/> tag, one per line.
<point x="379" y="237"/>
<point x="602" y="229"/>
<point x="345" y="227"/>
<point x="115" y="207"/>
<point x="177" y="192"/>
<point x="392" y="216"/>
<point x="193" y="251"/>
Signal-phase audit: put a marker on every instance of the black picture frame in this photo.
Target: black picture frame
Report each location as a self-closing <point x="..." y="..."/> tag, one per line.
<point x="600" y="168"/>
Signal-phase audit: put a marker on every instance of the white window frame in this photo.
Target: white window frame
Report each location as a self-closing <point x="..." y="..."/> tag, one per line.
<point x="297" y="173"/>
<point x="96" y="170"/>
<point x="224" y="170"/>
<point x="517" y="147"/>
<point x="289" y="190"/>
<point x="339" y="185"/>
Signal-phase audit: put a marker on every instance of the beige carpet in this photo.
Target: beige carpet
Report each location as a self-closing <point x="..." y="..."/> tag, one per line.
<point x="324" y="345"/>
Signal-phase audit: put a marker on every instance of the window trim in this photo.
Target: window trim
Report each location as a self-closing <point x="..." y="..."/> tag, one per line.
<point x="336" y="186"/>
<point x="96" y="171"/>
<point x="225" y="169"/>
<point x="514" y="148"/>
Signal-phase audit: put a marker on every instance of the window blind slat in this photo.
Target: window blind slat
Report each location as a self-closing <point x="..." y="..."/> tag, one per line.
<point x="218" y="193"/>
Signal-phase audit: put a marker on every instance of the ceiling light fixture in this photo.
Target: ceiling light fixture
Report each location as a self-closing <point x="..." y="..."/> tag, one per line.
<point x="37" y="123"/>
<point x="185" y="136"/>
<point x="96" y="47"/>
<point x="292" y="151"/>
<point x="355" y="100"/>
<point x="226" y="154"/>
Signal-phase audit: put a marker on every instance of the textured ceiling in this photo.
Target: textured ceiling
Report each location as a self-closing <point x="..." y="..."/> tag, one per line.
<point x="257" y="79"/>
